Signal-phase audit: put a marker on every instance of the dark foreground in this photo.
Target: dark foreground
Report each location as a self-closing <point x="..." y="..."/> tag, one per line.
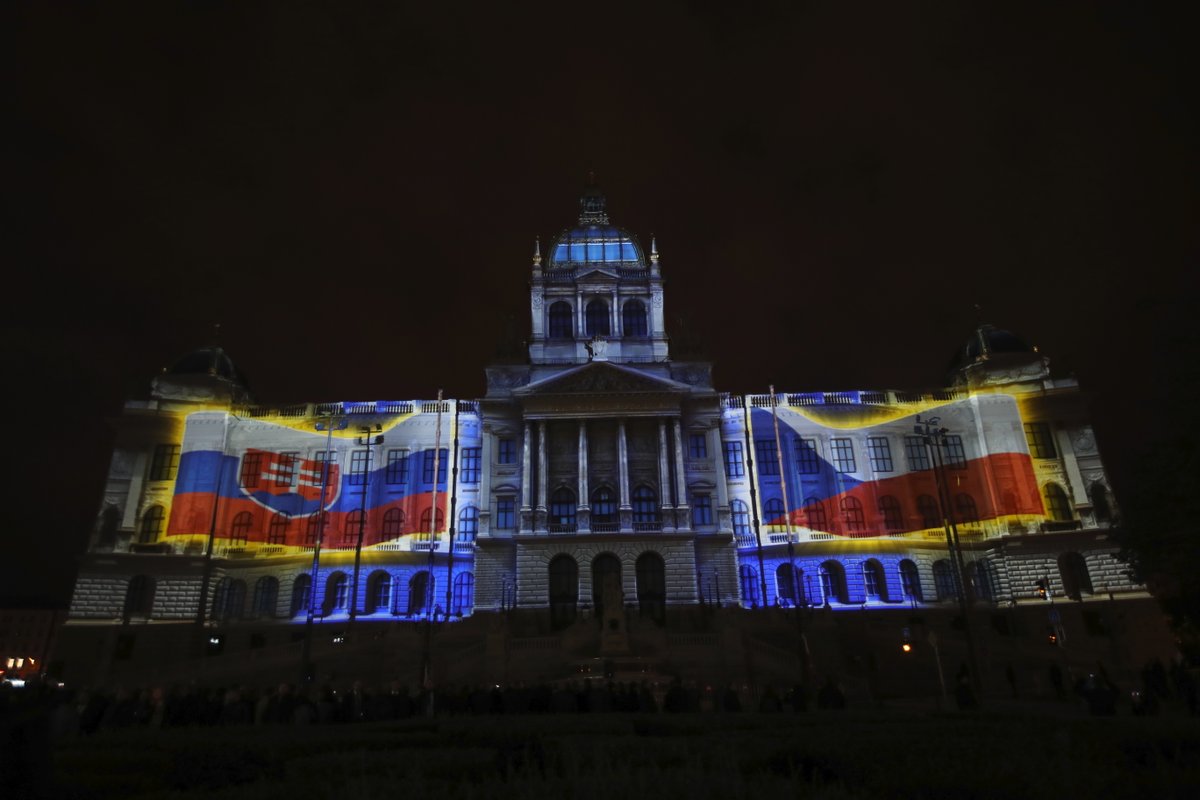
<point x="1052" y="751"/>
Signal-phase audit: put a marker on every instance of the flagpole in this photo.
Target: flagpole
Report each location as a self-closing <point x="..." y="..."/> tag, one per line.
<point x="426" y="657"/>
<point x="306" y="653"/>
<point x="762" y="570"/>
<point x="450" y="526"/>
<point x="797" y="589"/>
<point x="212" y="534"/>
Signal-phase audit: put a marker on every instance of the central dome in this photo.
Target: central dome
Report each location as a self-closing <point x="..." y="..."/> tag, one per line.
<point x="596" y="244"/>
<point x="595" y="240"/>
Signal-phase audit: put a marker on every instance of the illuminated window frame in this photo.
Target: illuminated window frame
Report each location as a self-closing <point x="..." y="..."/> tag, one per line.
<point x="879" y="453"/>
<point x="841" y="450"/>
<point x="735" y="467"/>
<point x="471" y="464"/>
<point x="396" y="471"/>
<point x="1041" y="442"/>
<point x="767" y="455"/>
<point x="165" y="464"/>
<point x="917" y="453"/>
<point x="808" y="459"/>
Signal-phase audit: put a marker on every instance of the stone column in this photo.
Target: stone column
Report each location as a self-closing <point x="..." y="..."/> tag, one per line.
<point x="664" y="478"/>
<point x="583" y="511"/>
<point x="487" y="436"/>
<point x="580" y="321"/>
<point x="614" y="317"/>
<point x="683" y="520"/>
<point x="543" y="478"/>
<point x="625" y="510"/>
<point x="717" y="454"/>
<point x="527" y="469"/>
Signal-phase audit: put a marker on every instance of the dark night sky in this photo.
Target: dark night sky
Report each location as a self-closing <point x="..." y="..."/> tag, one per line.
<point x="354" y="193"/>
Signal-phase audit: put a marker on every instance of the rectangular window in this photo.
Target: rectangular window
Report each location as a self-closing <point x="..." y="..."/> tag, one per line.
<point x="165" y="463"/>
<point x="843" y="455"/>
<point x="916" y="452"/>
<point x="953" y="454"/>
<point x="251" y="470"/>
<point x="702" y="510"/>
<point x="767" y="455"/>
<point x="506" y="451"/>
<point x="734" y="467"/>
<point x="360" y="463"/>
<point x="506" y="516"/>
<point x="322" y="458"/>
<point x="285" y="468"/>
<point x="470" y="464"/>
<point x="880" y="453"/>
<point x="427" y="466"/>
<point x="698" y="445"/>
<point x="1041" y="443"/>
<point x="397" y="467"/>
<point x="807" y="460"/>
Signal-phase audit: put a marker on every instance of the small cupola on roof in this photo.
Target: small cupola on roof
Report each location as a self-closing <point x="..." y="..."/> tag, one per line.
<point x="206" y="374"/>
<point x="993" y="355"/>
<point x="595" y="240"/>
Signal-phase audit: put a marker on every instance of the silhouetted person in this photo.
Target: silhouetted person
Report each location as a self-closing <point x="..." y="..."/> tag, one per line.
<point x="730" y="701"/>
<point x="1056" y="680"/>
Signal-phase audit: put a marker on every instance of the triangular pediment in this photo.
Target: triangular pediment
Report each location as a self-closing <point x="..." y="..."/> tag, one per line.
<point x="596" y="275"/>
<point x="602" y="377"/>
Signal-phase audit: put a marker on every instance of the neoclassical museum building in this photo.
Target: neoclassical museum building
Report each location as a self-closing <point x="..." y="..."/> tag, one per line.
<point x="601" y="500"/>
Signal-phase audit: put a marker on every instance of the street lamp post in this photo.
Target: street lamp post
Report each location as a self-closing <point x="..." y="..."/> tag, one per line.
<point x="366" y="438"/>
<point x="329" y="423"/>
<point x="934" y="437"/>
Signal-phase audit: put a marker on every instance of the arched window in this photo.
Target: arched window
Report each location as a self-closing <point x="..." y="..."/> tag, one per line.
<point x="786" y="582"/>
<point x="562" y="511"/>
<point x="741" y="522"/>
<point x="139" y="597"/>
<point x="606" y="572"/>
<point x="277" y="530"/>
<point x="833" y="582"/>
<point x="420" y="594"/>
<point x="317" y="527"/>
<point x="427" y="526"/>
<point x="910" y="581"/>
<point x="301" y="594"/>
<point x="393" y="523"/>
<point x="152" y="525"/>
<point x="337" y="594"/>
<point x="645" y="510"/>
<point x="633" y="318"/>
<point x="748" y="577"/>
<point x="604" y="510"/>
<point x="239" y="531"/>
<point x="984" y="579"/>
<point x="1058" y="507"/>
<point x="1074" y="572"/>
<point x="229" y="600"/>
<point x="379" y="592"/>
<point x="814" y="511"/>
<point x="874" y="580"/>
<point x="464" y="593"/>
<point x="943" y="580"/>
<point x="266" y="596"/>
<point x="852" y="515"/>
<point x="890" y="513"/>
<point x="774" y="513"/>
<point x="652" y="587"/>
<point x="964" y="506"/>
<point x="1100" y="505"/>
<point x="564" y="591"/>
<point x="931" y="515"/>
<point x="110" y="520"/>
<point x="468" y="524"/>
<point x="355" y="521"/>
<point x="560" y="321"/>
<point x="596" y="318"/>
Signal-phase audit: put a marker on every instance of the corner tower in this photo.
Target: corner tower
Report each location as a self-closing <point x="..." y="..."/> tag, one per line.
<point x="595" y="296"/>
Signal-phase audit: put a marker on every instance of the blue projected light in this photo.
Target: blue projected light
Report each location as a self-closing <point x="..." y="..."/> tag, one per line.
<point x="595" y="244"/>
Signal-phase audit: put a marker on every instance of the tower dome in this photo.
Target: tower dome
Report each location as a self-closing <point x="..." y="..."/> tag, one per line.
<point x="204" y="374"/>
<point x="595" y="240"/>
<point x="992" y="355"/>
